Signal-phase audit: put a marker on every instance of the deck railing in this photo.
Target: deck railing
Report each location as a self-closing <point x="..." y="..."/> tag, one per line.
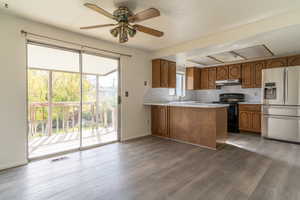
<point x="63" y="117"/>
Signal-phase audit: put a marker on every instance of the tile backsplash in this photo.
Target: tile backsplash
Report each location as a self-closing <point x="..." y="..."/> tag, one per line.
<point x="251" y="94"/>
<point x="162" y="94"/>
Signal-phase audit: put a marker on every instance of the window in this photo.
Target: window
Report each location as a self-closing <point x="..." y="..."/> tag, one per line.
<point x="180" y="85"/>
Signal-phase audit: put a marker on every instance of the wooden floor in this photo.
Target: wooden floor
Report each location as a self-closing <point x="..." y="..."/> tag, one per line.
<point x="153" y="168"/>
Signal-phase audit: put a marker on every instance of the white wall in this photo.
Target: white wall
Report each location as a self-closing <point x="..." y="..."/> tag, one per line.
<point x="134" y="71"/>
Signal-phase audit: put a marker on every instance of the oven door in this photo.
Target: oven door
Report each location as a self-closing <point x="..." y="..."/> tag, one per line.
<point x="281" y="127"/>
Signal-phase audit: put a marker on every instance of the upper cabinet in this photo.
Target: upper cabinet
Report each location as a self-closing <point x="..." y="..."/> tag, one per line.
<point x="192" y="78"/>
<point x="212" y="75"/>
<point x="276" y="62"/>
<point x="294" y="60"/>
<point x="172" y="75"/>
<point x="163" y="74"/>
<point x="204" y="78"/>
<point x="257" y="73"/>
<point x="252" y="73"/>
<point x="234" y="71"/>
<point x="222" y="73"/>
<point x="247" y="74"/>
<point x="229" y="72"/>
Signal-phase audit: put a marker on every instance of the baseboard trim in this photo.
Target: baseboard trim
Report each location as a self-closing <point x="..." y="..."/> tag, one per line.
<point x="135" y="137"/>
<point x="13" y="165"/>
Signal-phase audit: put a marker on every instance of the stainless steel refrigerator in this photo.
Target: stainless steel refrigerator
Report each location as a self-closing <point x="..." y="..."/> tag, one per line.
<point x="281" y="103"/>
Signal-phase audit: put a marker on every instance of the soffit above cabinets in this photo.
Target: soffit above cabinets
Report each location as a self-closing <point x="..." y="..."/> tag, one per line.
<point x="258" y="51"/>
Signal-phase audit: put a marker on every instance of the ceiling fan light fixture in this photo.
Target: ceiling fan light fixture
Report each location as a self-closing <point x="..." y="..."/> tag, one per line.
<point x="131" y="32"/>
<point x="123" y="37"/>
<point x="115" y="32"/>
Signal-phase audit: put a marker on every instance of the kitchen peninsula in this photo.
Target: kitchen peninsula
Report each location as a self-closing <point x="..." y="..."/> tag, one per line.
<point x="196" y="123"/>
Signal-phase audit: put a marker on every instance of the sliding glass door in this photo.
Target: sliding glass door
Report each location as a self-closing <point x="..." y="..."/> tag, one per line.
<point x="71" y="104"/>
<point x="100" y="99"/>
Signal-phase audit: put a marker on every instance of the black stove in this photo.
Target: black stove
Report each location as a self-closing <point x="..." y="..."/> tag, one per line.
<point x="233" y="113"/>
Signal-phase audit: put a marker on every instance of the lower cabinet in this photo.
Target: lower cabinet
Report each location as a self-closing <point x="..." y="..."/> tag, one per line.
<point x="159" y="121"/>
<point x="250" y="118"/>
<point x="201" y="126"/>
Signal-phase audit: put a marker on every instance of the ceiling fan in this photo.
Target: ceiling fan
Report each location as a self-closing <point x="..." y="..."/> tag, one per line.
<point x="124" y="17"/>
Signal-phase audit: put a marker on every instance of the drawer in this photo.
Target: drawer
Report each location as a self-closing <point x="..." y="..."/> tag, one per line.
<point x="250" y="107"/>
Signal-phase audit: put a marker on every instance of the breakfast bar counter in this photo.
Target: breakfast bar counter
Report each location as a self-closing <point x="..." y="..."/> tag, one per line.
<point x="195" y="123"/>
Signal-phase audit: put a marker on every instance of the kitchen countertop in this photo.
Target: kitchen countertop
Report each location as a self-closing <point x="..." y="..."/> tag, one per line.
<point x="193" y="104"/>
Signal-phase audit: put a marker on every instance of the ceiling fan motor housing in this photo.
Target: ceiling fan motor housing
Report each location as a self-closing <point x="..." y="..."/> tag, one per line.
<point x="122" y="14"/>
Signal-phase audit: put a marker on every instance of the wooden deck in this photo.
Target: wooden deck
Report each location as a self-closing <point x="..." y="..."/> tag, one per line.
<point x="40" y="146"/>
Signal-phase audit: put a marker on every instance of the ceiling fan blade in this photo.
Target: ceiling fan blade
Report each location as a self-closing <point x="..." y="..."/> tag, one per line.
<point x="97" y="26"/>
<point x="144" y="15"/>
<point x="99" y="10"/>
<point x="147" y="30"/>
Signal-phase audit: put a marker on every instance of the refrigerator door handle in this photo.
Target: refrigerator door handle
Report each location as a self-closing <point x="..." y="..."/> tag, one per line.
<point x="286" y="83"/>
<point x="282" y="117"/>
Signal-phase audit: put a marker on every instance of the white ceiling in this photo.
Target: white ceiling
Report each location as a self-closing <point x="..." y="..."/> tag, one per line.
<point x="180" y="20"/>
<point x="281" y="42"/>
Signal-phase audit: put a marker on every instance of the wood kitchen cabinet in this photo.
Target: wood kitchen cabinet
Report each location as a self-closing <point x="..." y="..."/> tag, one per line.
<point x="247" y="75"/>
<point x="159" y="121"/>
<point x="234" y="71"/>
<point x="245" y="120"/>
<point x="222" y="73"/>
<point x="229" y="72"/>
<point x="294" y="60"/>
<point x="208" y="78"/>
<point x="250" y="117"/>
<point x="257" y="74"/>
<point x="172" y="75"/>
<point x="192" y="78"/>
<point x="252" y="74"/>
<point x="212" y="74"/>
<point x="163" y="74"/>
<point x="276" y="62"/>
<point x="204" y="78"/>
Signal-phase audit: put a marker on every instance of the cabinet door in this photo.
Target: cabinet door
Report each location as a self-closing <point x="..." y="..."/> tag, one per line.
<point x="247" y="75"/>
<point x="156" y="73"/>
<point x="234" y="71"/>
<point x="257" y="67"/>
<point x="277" y="62"/>
<point x="212" y="73"/>
<point x="245" y="120"/>
<point x="204" y="78"/>
<point x="294" y="60"/>
<point x="164" y="73"/>
<point x="192" y="78"/>
<point x="159" y="120"/>
<point x="256" y="122"/>
<point x="222" y="73"/>
<point x="172" y="75"/>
